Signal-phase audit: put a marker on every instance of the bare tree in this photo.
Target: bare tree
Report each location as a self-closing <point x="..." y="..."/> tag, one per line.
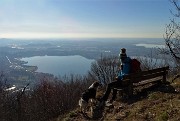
<point x="172" y="33"/>
<point x="105" y="69"/>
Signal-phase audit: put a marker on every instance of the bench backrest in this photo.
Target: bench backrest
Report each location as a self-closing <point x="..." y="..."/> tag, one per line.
<point x="145" y="75"/>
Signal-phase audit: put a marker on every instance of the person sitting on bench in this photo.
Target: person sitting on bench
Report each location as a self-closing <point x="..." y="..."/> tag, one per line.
<point x="124" y="70"/>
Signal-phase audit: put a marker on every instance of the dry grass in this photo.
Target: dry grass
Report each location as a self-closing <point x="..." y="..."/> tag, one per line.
<point x="161" y="103"/>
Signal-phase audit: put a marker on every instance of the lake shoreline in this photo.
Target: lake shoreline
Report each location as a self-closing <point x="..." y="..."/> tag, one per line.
<point x="63" y="65"/>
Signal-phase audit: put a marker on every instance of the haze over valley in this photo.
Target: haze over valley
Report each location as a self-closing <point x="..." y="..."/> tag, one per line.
<point x="20" y="72"/>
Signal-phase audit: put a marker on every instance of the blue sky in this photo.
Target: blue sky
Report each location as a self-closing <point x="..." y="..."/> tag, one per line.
<point x="84" y="18"/>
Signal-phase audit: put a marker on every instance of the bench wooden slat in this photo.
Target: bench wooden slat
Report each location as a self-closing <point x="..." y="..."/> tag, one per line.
<point x="142" y="83"/>
<point x="150" y="71"/>
<point x="144" y="77"/>
<point x="144" y="73"/>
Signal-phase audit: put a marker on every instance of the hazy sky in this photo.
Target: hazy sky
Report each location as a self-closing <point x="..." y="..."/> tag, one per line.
<point x="83" y="18"/>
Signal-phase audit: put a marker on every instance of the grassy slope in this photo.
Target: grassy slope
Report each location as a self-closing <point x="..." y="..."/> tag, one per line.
<point x="160" y="103"/>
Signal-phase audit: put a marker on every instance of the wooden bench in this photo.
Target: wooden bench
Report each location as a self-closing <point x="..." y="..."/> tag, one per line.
<point x="143" y="78"/>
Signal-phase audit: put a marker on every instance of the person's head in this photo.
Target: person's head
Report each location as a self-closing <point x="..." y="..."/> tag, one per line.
<point x="123" y="50"/>
<point x="123" y="55"/>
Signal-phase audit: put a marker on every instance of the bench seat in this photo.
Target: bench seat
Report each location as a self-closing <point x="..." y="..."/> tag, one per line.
<point x="143" y="78"/>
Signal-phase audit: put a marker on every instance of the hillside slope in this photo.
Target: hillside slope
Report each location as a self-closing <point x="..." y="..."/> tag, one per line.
<point x="155" y="103"/>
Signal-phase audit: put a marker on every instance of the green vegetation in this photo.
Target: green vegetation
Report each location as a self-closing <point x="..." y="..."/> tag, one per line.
<point x="163" y="117"/>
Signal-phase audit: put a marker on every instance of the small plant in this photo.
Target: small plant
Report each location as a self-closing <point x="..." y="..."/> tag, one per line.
<point x="163" y="117"/>
<point x="66" y="119"/>
<point x="73" y="114"/>
<point x="153" y="96"/>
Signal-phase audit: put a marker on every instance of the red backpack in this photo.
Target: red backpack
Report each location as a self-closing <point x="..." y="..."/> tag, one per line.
<point x="135" y="66"/>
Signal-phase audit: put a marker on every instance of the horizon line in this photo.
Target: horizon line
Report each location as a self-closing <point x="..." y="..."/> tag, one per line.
<point x="83" y="38"/>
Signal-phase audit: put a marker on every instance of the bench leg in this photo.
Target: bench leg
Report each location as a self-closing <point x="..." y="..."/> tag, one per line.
<point x="130" y="90"/>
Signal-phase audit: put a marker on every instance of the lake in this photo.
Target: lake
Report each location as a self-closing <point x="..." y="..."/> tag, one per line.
<point x="151" y="45"/>
<point x="60" y="65"/>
